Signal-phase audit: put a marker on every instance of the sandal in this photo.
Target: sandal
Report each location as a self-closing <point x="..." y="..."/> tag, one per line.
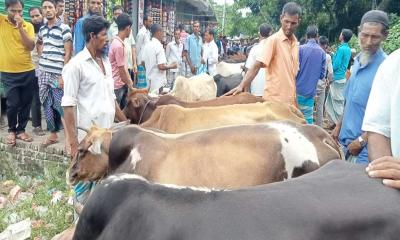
<point x="48" y="142"/>
<point x="24" y="137"/>
<point x="38" y="131"/>
<point x="11" y="139"/>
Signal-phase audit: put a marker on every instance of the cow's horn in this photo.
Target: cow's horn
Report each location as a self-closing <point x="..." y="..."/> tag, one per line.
<point x="83" y="129"/>
<point x="94" y="123"/>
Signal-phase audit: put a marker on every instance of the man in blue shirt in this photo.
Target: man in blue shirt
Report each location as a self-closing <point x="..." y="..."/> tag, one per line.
<point x="95" y="7"/>
<point x="372" y="32"/>
<point x="335" y="100"/>
<point x="312" y="68"/>
<point x="193" y="50"/>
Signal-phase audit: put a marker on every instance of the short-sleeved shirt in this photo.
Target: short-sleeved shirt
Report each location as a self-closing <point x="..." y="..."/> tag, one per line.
<point x="14" y="57"/>
<point x="79" y="38"/>
<point x="356" y="94"/>
<point x="193" y="47"/>
<point x="129" y="43"/>
<point x="54" y="39"/>
<point x="117" y="60"/>
<point x="280" y="55"/>
<point x="143" y="37"/>
<point x="258" y="83"/>
<point x="341" y="61"/>
<point x="174" y="53"/>
<point x="92" y="92"/>
<point x="382" y="115"/>
<point x="153" y="55"/>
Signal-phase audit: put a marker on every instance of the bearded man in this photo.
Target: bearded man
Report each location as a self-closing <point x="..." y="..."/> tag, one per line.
<point x="373" y="31"/>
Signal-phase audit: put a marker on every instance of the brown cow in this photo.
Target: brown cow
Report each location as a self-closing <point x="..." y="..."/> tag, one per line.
<point x="227" y="157"/>
<point x="176" y="119"/>
<point x="141" y="106"/>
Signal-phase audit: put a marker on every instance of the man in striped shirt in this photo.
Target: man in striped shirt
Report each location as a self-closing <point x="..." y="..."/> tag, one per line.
<point x="55" y="39"/>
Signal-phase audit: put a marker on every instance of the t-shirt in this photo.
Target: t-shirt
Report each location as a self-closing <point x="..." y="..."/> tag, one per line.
<point x="14" y="57"/>
<point x="153" y="55"/>
<point x="129" y="43"/>
<point x="383" y="109"/>
<point x="117" y="60"/>
<point x="258" y="84"/>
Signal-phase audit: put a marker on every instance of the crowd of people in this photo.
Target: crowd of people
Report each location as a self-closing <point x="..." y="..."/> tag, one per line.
<point x="83" y="76"/>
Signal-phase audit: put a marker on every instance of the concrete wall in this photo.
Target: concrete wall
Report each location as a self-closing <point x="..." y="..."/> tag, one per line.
<point x="30" y="159"/>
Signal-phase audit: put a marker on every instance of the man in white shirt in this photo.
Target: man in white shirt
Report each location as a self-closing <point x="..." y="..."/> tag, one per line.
<point x="258" y="84"/>
<point x="382" y="122"/>
<point x="174" y="54"/>
<point x="210" y="52"/>
<point x="155" y="61"/>
<point x="130" y="44"/>
<point x="143" y="37"/>
<point x="88" y="84"/>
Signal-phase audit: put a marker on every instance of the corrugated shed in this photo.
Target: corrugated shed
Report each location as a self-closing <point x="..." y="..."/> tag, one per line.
<point x="27" y="5"/>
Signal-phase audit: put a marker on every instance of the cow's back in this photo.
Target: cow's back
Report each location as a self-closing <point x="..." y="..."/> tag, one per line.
<point x="176" y="119"/>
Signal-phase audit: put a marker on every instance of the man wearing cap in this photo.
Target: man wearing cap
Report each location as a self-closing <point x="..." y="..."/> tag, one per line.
<point x="373" y="31"/>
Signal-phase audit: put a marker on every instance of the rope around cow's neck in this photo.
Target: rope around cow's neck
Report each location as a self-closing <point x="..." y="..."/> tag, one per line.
<point x="144" y="109"/>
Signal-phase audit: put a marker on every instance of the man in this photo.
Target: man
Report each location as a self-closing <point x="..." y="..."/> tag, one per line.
<point x="143" y="37"/>
<point x="155" y="60"/>
<point x="17" y="72"/>
<point x="382" y="123"/>
<point x="60" y="6"/>
<point x="184" y="34"/>
<point x="55" y="42"/>
<point x="210" y="52"/>
<point x="129" y="42"/>
<point x="88" y="88"/>
<point x="373" y="31"/>
<point x="312" y="68"/>
<point x="37" y="21"/>
<point x="193" y="51"/>
<point x="174" y="53"/>
<point x="121" y="76"/>
<point x="280" y="57"/>
<point x="335" y="100"/>
<point x="322" y="83"/>
<point x="258" y="84"/>
<point x="95" y="7"/>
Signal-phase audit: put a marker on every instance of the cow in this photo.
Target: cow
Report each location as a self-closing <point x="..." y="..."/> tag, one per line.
<point x="226" y="69"/>
<point x="225" y="84"/>
<point x="176" y="119"/>
<point x="140" y="106"/>
<point x="227" y="157"/>
<point x="198" y="88"/>
<point x="338" y="201"/>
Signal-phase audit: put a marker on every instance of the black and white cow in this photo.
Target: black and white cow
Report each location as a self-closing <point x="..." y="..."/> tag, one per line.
<point x="338" y="201"/>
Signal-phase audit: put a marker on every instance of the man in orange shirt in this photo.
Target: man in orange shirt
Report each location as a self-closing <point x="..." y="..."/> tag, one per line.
<point x="280" y="57"/>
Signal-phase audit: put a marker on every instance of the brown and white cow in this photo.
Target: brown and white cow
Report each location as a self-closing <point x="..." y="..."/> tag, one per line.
<point x="227" y="157"/>
<point x="176" y="119"/>
<point x="140" y="106"/>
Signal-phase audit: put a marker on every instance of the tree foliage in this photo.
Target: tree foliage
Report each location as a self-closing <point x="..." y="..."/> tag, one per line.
<point x="329" y="15"/>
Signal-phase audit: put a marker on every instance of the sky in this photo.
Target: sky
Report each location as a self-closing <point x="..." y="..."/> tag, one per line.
<point x="222" y="1"/>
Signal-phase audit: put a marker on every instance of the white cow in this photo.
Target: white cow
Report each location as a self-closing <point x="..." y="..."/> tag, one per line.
<point x="198" y="88"/>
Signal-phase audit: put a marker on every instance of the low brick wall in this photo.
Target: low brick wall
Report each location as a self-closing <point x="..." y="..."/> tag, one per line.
<point x="30" y="158"/>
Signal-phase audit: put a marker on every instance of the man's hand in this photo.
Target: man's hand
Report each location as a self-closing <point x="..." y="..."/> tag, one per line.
<point x="74" y="146"/>
<point x="18" y="21"/>
<point x="387" y="168"/>
<point x="202" y="61"/>
<point x="135" y="69"/>
<point x="355" y="147"/>
<point x="61" y="82"/>
<point x="173" y="65"/>
<point x="335" y="133"/>
<point x="237" y="90"/>
<point x="193" y="70"/>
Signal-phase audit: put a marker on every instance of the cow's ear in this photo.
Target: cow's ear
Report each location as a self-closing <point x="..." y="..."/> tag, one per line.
<point x="95" y="148"/>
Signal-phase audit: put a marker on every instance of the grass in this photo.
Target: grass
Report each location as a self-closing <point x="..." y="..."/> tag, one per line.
<point x="58" y="216"/>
